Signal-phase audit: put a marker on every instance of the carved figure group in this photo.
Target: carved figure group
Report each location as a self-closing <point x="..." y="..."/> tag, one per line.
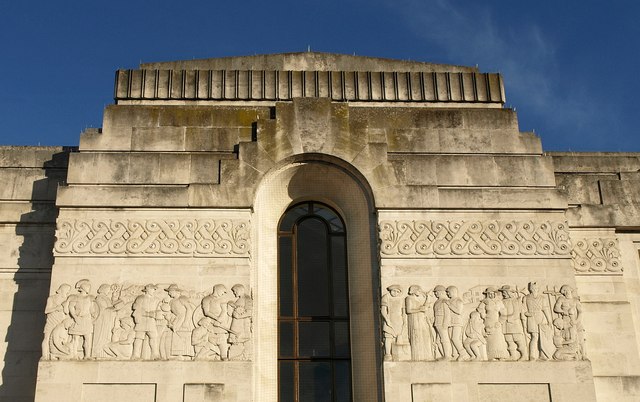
<point x="503" y="324"/>
<point x="148" y="322"/>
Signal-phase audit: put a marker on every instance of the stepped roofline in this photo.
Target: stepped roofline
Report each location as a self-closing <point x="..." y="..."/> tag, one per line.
<point x="307" y="61"/>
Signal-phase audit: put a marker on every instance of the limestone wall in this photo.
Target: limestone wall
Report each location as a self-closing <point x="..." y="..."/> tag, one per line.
<point x="603" y="203"/>
<point x="151" y="274"/>
<point x="29" y="177"/>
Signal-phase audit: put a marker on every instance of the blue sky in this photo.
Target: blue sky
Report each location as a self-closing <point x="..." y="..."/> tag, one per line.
<point x="571" y="69"/>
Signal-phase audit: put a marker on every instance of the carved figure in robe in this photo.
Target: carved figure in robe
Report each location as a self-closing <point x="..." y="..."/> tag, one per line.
<point x="121" y="345"/>
<point x="442" y="321"/>
<point x="57" y="309"/>
<point x="82" y="309"/>
<point x="393" y="319"/>
<point x="418" y="326"/>
<point x="145" y="309"/>
<point x="455" y="305"/>
<point x="180" y="323"/>
<point x="489" y="309"/>
<point x="61" y="343"/>
<point x="475" y="337"/>
<point x="511" y="318"/>
<point x="538" y="318"/>
<point x="241" y="312"/>
<point x="569" y="308"/>
<point x="105" y="321"/>
<point x="216" y="307"/>
<point x="566" y="341"/>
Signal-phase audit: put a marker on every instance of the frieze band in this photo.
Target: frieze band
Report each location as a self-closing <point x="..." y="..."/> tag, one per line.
<point x="485" y="323"/>
<point x="228" y="237"/>
<point x="150" y="322"/>
<point x="596" y="255"/>
<point x="414" y="238"/>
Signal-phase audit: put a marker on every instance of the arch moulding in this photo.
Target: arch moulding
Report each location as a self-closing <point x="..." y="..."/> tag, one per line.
<point x="332" y="181"/>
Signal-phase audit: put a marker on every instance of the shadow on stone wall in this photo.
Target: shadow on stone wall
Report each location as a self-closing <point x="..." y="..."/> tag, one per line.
<point x="32" y="280"/>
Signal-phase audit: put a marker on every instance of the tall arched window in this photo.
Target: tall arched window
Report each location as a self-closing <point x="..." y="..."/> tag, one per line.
<point x="314" y="354"/>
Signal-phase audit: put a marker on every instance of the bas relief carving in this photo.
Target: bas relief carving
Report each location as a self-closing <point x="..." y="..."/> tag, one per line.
<point x="484" y="323"/>
<point x="151" y="322"/>
<point x="153" y="237"/>
<point x="444" y="238"/>
<point x="596" y="255"/>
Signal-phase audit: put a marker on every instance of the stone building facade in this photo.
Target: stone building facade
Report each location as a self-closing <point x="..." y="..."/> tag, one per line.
<point x="314" y="226"/>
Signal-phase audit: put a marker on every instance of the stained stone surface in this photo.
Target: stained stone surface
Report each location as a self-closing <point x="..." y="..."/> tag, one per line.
<point x="144" y="265"/>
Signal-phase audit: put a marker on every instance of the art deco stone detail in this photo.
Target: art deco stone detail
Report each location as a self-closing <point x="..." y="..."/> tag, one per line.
<point x="153" y="237"/>
<point x="150" y="322"/>
<point x="596" y="255"/>
<point x="485" y="323"/>
<point x="493" y="238"/>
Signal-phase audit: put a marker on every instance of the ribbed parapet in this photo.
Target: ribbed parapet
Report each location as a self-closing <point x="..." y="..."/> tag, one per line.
<point x="263" y="85"/>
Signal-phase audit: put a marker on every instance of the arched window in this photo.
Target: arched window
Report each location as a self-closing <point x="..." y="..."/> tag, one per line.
<point x="314" y="354"/>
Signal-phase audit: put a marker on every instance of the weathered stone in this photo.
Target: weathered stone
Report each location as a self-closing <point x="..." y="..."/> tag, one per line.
<point x="159" y="268"/>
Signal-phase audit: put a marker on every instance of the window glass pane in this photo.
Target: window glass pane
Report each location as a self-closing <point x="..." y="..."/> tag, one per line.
<point x="286" y="281"/>
<point x="331" y="217"/>
<point x="342" y="380"/>
<point x="339" y="271"/>
<point x="313" y="275"/>
<point x="314" y="339"/>
<point x="341" y="339"/>
<point x="286" y="339"/>
<point x="315" y="381"/>
<point x="291" y="216"/>
<point x="286" y="382"/>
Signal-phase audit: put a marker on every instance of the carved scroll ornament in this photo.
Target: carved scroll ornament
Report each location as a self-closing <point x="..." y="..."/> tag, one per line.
<point x="153" y="237"/>
<point x="150" y="322"/>
<point x="458" y="238"/>
<point x="596" y="255"/>
<point x="485" y="323"/>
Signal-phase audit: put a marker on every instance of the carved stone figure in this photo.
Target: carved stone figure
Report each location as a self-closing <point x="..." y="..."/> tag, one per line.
<point x="240" y="331"/>
<point x="511" y="318"/>
<point x="393" y="318"/>
<point x="145" y="308"/>
<point x="57" y="309"/>
<point x="566" y="341"/>
<point x="215" y="306"/>
<point x="455" y="305"/>
<point x="475" y="342"/>
<point x="418" y="324"/>
<point x="442" y="321"/>
<point x="569" y="308"/>
<point x="163" y="316"/>
<point x="181" y="323"/>
<point x="104" y="323"/>
<point x="538" y="317"/>
<point x="82" y="309"/>
<point x="489" y="309"/>
<point x="121" y="345"/>
<point x="62" y="343"/>
<point x="204" y="339"/>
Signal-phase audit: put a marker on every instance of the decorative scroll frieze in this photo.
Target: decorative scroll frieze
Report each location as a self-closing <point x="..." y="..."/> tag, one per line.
<point x="596" y="255"/>
<point x="147" y="322"/>
<point x="225" y="237"/>
<point x="414" y="238"/>
<point x="484" y="323"/>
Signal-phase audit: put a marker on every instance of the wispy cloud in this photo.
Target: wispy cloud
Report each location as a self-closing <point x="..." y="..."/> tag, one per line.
<point x="524" y="54"/>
